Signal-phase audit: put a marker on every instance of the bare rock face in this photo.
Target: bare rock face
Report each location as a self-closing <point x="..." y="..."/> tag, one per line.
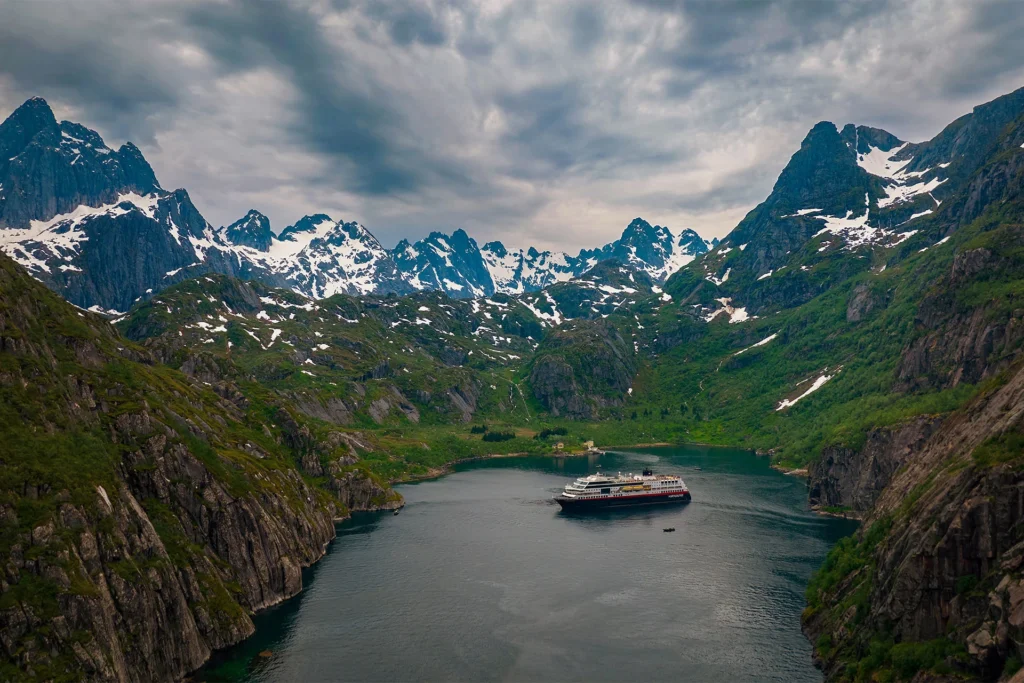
<point x="154" y="610"/>
<point x="335" y="457"/>
<point x="854" y="477"/>
<point x="49" y="168"/>
<point x="949" y="560"/>
<point x="862" y="302"/>
<point x="462" y="399"/>
<point x="158" y="519"/>
<point x="582" y="368"/>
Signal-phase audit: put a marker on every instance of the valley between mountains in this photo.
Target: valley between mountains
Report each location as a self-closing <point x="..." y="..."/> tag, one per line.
<point x="187" y="410"/>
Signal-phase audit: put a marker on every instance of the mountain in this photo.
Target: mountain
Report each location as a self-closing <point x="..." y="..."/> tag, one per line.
<point x="95" y="225"/>
<point x="457" y="266"/>
<point x="49" y="168"/>
<point x="863" y="324"/>
<point x="69" y="204"/>
<point x="843" y="202"/>
<point x="251" y="230"/>
<point x="451" y="264"/>
<point x="317" y="256"/>
<point x="145" y="516"/>
<point x="652" y="249"/>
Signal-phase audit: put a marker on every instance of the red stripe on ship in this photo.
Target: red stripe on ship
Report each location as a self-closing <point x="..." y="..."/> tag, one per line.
<point x="639" y="495"/>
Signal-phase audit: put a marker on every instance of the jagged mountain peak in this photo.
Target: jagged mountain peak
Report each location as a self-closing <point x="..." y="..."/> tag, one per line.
<point x="251" y="230"/>
<point x="496" y="248"/>
<point x="640" y="230"/>
<point x="34" y="114"/>
<point x="650" y="248"/>
<point x="863" y="139"/>
<point x="452" y="263"/>
<point x="19" y="129"/>
<point x="309" y="223"/>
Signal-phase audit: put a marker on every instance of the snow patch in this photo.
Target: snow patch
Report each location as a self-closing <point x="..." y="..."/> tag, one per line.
<point x="760" y="343"/>
<point x="717" y="281"/>
<point x="818" y="384"/>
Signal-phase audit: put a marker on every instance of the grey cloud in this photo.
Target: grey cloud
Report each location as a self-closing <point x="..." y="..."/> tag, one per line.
<point x="555" y="122"/>
<point x="408" y="23"/>
<point x="335" y="116"/>
<point x="586" y="24"/>
<point x="1000" y="26"/>
<point x="549" y="134"/>
<point x="78" y="55"/>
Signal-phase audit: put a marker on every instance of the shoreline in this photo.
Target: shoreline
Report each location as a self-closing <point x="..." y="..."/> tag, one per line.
<point x="845" y="514"/>
<point x="437" y="472"/>
<point x="795" y="472"/>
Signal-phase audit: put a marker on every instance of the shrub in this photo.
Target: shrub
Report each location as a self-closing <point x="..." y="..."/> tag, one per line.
<point x="909" y="658"/>
<point x="478" y="429"/>
<point x="965" y="584"/>
<point x="499" y="436"/>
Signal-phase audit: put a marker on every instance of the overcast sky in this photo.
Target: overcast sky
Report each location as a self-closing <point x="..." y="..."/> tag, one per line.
<point x="539" y="123"/>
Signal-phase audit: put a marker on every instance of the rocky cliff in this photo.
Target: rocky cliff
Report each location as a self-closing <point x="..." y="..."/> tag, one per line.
<point x="49" y="168"/>
<point x="143" y="516"/>
<point x="581" y="368"/>
<point x="852" y="478"/>
<point x="934" y="581"/>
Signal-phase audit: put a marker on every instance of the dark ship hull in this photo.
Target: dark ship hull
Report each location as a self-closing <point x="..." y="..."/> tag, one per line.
<point x="581" y="504"/>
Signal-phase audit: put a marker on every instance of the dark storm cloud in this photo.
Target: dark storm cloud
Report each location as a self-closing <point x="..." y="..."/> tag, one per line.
<point x="339" y="114"/>
<point x="552" y="123"/>
<point x="1000" y="51"/>
<point x="72" y="51"/>
<point x="726" y="38"/>
<point x="548" y="134"/>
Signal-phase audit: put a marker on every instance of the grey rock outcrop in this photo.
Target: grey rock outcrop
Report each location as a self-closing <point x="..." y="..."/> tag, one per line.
<point x="49" y="168"/>
<point x="854" y="477"/>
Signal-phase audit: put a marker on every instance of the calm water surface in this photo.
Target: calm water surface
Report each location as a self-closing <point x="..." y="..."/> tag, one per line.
<point x="483" y="578"/>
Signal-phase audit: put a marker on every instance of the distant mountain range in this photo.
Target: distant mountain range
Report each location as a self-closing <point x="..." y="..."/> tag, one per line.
<point x="96" y="226"/>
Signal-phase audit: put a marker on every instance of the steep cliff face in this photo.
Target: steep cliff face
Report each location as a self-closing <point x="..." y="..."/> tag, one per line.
<point x="143" y="517"/>
<point x="852" y="478"/>
<point x="967" y="340"/>
<point x="49" y="168"/>
<point x="937" y="570"/>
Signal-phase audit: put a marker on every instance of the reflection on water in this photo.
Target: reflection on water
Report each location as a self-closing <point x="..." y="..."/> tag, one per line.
<point x="483" y="578"/>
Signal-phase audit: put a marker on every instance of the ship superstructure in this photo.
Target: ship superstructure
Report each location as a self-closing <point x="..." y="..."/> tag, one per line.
<point x="601" y="490"/>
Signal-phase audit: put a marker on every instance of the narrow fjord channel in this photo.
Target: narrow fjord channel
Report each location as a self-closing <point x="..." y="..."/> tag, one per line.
<point x="483" y="578"/>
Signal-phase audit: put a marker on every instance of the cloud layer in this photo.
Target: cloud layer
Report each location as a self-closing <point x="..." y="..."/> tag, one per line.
<point x="547" y="124"/>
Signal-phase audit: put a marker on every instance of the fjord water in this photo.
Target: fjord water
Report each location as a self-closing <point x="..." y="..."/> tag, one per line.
<point x="483" y="578"/>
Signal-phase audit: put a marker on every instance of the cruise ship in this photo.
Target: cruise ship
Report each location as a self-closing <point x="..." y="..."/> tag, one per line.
<point x="602" y="491"/>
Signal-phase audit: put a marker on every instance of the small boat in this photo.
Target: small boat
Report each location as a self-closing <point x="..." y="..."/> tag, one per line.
<point x="396" y="512"/>
<point x="671" y="528"/>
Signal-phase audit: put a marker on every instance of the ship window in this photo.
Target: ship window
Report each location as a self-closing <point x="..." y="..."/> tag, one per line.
<point x="606" y="490"/>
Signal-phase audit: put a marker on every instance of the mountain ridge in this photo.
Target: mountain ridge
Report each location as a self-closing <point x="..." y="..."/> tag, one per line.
<point x="78" y="184"/>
